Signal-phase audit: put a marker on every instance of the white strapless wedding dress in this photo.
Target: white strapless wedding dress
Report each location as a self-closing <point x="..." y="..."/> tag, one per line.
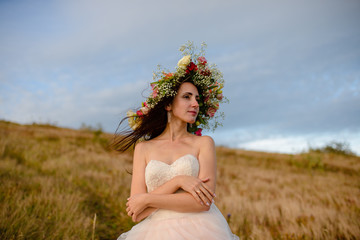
<point x="170" y="225"/>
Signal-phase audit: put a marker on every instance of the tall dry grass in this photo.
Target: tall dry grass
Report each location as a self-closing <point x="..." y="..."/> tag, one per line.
<point x="278" y="196"/>
<point x="54" y="180"/>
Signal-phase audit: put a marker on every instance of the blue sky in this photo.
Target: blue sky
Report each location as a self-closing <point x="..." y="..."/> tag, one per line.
<point x="292" y="68"/>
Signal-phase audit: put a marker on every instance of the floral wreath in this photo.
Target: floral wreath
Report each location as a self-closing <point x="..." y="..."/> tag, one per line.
<point x="206" y="77"/>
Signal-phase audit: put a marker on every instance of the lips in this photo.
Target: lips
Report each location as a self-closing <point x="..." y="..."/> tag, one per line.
<point x="193" y="113"/>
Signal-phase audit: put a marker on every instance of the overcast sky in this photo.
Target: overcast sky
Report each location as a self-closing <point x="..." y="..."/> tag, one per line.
<point x="292" y="68"/>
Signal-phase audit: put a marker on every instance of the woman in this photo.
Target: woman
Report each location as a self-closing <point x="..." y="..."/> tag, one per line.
<point x="174" y="168"/>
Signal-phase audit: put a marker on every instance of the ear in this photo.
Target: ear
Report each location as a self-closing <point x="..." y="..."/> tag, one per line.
<point x="168" y="107"/>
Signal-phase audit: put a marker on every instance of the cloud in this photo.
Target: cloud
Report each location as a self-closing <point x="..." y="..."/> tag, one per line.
<point x="291" y="68"/>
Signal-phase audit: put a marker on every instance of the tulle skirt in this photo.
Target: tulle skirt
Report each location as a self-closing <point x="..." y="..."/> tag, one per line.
<point x="171" y="225"/>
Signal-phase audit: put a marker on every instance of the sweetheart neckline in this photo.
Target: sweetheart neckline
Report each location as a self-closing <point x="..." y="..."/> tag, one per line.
<point x="172" y="162"/>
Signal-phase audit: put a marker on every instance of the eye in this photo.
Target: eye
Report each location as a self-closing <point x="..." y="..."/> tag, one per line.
<point x="186" y="96"/>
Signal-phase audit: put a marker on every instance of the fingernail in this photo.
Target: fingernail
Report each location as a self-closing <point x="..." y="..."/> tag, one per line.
<point x="202" y="203"/>
<point x="207" y="203"/>
<point x="214" y="195"/>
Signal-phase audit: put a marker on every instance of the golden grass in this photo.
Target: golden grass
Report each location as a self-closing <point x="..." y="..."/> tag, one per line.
<point x="54" y="180"/>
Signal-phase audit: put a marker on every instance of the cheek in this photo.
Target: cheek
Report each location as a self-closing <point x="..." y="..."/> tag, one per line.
<point x="180" y="107"/>
<point x="179" y="104"/>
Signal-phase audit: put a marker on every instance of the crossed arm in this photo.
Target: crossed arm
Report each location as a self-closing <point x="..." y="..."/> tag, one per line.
<point x="199" y="192"/>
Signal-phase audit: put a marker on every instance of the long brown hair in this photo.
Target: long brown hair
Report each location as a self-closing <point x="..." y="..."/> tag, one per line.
<point x="152" y="124"/>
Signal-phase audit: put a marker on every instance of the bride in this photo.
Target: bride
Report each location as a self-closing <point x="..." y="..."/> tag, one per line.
<point x="174" y="167"/>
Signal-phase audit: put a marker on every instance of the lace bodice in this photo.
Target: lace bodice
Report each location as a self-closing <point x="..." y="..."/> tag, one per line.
<point x="157" y="172"/>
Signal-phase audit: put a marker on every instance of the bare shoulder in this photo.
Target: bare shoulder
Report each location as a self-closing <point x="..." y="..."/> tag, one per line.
<point x="141" y="149"/>
<point x="140" y="146"/>
<point x="206" y="142"/>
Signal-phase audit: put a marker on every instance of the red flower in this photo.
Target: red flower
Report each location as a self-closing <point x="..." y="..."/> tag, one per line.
<point x="192" y="66"/>
<point x="139" y="113"/>
<point x="198" y="132"/>
<point x="205" y="72"/>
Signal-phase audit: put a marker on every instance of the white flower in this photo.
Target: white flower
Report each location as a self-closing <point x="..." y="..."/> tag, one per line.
<point x="133" y="122"/>
<point x="184" y="62"/>
<point x="130" y="113"/>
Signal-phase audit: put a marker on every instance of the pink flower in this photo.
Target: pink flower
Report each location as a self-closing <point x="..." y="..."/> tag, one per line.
<point x="198" y="132"/>
<point x="155" y="93"/>
<point x="144" y="110"/>
<point x="219" y="96"/>
<point x="202" y="60"/>
<point x="155" y="90"/>
<point x="206" y="99"/>
<point x="211" y="111"/>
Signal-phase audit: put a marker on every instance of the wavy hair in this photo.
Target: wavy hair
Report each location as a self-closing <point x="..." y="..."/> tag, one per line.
<point x="152" y="124"/>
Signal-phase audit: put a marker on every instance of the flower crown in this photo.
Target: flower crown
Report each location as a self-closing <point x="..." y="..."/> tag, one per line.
<point x="204" y="76"/>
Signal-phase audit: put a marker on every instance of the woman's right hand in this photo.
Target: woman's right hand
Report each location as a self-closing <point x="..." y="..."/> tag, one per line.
<point x="197" y="187"/>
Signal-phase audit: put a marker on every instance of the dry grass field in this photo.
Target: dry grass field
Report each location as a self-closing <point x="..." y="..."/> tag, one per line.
<point x="55" y="180"/>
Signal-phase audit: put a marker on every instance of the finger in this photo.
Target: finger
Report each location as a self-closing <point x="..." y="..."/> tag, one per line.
<point x="203" y="198"/>
<point x="205" y="180"/>
<point x="128" y="209"/>
<point x="130" y="214"/>
<point x="196" y="196"/>
<point x="127" y="204"/>
<point x="134" y="216"/>
<point x="209" y="190"/>
<point x="207" y="194"/>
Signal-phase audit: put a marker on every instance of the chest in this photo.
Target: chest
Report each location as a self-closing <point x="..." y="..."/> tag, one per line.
<point x="158" y="172"/>
<point x="169" y="153"/>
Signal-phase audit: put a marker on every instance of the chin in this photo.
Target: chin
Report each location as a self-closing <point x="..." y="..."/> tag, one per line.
<point x="192" y="121"/>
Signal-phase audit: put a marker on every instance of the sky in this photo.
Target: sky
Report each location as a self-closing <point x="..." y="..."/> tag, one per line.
<point x="291" y="68"/>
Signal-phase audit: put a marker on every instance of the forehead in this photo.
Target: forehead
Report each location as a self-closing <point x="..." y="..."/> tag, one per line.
<point x="188" y="87"/>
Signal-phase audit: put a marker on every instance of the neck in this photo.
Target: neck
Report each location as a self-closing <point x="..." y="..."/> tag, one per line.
<point x="175" y="129"/>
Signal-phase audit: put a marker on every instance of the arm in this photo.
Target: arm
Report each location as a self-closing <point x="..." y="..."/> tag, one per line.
<point x="207" y="160"/>
<point x="182" y="202"/>
<point x="185" y="182"/>
<point x="169" y="187"/>
<point x="138" y="186"/>
<point x="138" y="174"/>
<point x="189" y="184"/>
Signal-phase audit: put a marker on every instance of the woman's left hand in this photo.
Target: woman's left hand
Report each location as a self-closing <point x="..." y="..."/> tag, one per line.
<point x="136" y="204"/>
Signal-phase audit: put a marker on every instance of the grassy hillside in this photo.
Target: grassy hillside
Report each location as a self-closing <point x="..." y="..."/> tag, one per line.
<point x="55" y="180"/>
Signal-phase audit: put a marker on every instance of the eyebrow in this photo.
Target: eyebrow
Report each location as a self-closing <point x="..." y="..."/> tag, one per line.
<point x="190" y="93"/>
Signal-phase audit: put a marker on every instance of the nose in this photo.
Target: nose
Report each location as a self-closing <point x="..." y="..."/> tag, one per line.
<point x="195" y="103"/>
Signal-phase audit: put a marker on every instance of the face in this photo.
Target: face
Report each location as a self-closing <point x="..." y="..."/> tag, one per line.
<point x="185" y="105"/>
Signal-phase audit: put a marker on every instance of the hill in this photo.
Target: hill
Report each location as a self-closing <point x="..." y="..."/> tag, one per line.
<point x="54" y="181"/>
